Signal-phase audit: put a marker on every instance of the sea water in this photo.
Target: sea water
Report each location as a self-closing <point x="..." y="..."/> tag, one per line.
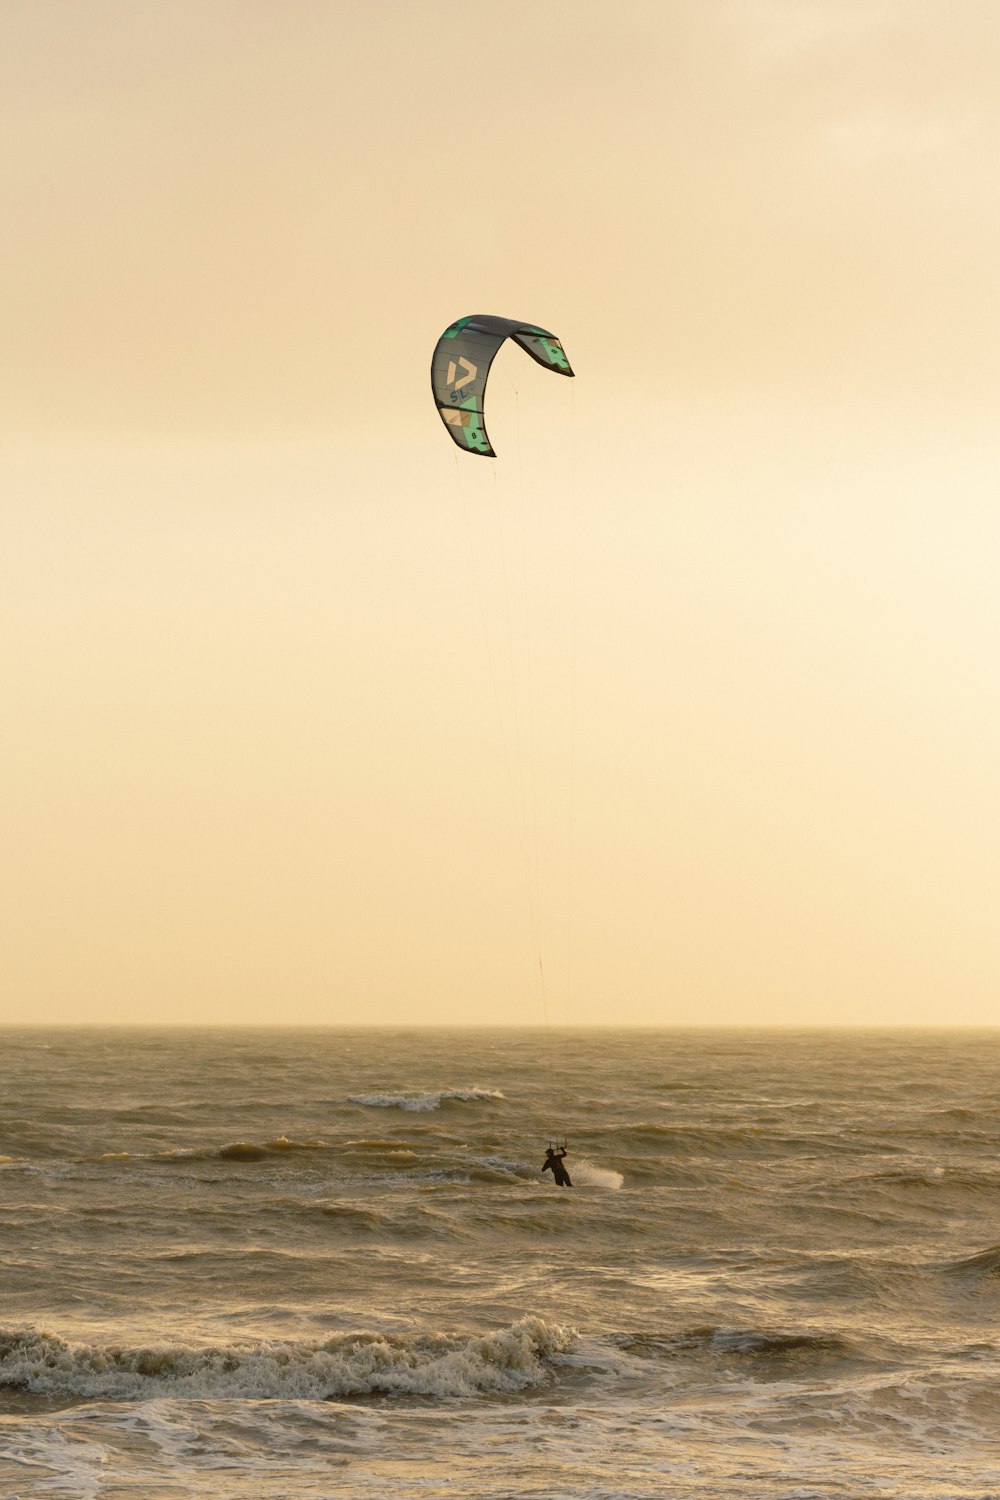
<point x="290" y="1263"/>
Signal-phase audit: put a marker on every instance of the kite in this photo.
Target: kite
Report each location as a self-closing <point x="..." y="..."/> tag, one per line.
<point x="461" y="366"/>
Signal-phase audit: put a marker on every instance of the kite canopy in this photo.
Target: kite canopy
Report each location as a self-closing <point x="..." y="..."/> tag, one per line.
<point x="461" y="366"/>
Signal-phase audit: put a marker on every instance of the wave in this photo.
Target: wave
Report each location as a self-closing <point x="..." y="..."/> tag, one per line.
<point x="383" y="1153"/>
<point x="282" y="1143"/>
<point x="931" y="1182"/>
<point x="985" y="1264"/>
<point x="718" y="1140"/>
<point x="847" y="1278"/>
<point x="376" y="1143"/>
<point x="423" y="1103"/>
<point x="350" y="1215"/>
<point x="247" y="1151"/>
<point x="241" y="1151"/>
<point x="763" y="1353"/>
<point x="770" y="1344"/>
<point x="235" y="1151"/>
<point x="504" y="1361"/>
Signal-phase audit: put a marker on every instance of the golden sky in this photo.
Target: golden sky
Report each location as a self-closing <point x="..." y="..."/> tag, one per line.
<point x="694" y="694"/>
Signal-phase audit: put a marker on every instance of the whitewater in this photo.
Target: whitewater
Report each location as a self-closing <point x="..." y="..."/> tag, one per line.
<point x="281" y="1263"/>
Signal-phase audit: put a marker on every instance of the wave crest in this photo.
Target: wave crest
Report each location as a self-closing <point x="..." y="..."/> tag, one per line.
<point x="423" y="1103"/>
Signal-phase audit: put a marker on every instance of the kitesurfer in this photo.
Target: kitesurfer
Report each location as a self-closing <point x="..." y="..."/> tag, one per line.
<point x="554" y="1163"/>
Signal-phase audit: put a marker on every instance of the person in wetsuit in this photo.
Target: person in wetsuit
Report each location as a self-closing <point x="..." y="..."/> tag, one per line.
<point x="554" y="1163"/>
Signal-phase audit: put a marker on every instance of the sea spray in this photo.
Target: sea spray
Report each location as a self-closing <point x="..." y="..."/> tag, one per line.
<point x="588" y="1174"/>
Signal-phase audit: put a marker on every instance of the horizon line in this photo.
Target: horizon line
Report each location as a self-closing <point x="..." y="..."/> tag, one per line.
<point x="866" y="1026"/>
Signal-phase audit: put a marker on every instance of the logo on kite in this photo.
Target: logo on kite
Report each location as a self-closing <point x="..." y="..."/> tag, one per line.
<point x="468" y="346"/>
<point x="471" y="371"/>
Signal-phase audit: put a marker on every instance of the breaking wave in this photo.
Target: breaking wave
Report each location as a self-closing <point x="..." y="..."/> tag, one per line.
<point x="503" y="1361"/>
<point x="422" y="1103"/>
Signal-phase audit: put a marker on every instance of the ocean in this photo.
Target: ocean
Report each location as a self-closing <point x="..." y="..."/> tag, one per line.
<point x="287" y="1263"/>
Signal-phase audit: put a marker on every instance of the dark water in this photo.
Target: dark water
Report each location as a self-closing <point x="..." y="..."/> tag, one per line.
<point x="296" y="1263"/>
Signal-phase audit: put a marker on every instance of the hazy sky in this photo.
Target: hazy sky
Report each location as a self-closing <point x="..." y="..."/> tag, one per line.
<point x="693" y="695"/>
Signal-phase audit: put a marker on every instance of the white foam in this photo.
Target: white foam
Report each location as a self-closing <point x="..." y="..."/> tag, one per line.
<point x="587" y="1174"/>
<point x="505" y="1360"/>
<point x="422" y="1103"/>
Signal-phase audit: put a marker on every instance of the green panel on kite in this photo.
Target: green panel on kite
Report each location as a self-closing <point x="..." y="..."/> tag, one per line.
<point x="461" y="364"/>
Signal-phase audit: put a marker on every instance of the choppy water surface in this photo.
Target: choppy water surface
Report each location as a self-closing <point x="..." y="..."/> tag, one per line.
<point x="301" y="1263"/>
